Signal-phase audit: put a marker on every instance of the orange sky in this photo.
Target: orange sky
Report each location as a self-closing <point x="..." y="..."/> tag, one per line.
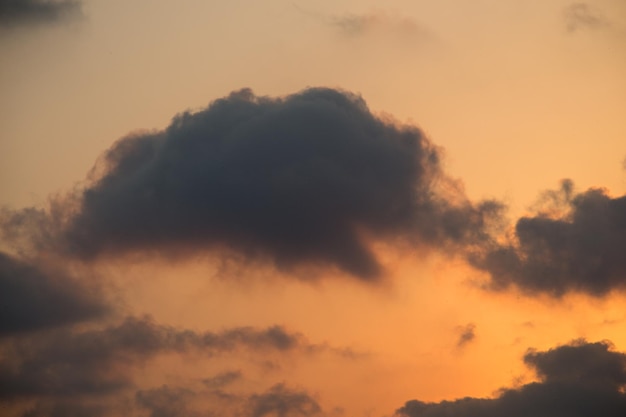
<point x="518" y="95"/>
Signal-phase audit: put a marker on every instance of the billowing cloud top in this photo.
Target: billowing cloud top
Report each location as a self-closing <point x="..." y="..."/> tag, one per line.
<point x="576" y="245"/>
<point x="580" y="379"/>
<point x="302" y="180"/>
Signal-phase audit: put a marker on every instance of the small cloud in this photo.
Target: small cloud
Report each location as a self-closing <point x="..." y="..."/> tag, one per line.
<point x="582" y="16"/>
<point x="361" y="24"/>
<point x="466" y="334"/>
<point x="374" y="22"/>
<point x="222" y="379"/>
<point x="280" y="400"/>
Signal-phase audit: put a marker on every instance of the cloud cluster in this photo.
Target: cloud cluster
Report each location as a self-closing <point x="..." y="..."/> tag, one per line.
<point x="19" y="12"/>
<point x="304" y="180"/>
<point x="67" y="362"/>
<point x="575" y="244"/>
<point x="71" y="372"/>
<point x="580" y="379"/>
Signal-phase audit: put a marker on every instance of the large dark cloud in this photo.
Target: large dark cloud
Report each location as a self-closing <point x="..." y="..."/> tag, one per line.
<point x="66" y="362"/>
<point x="36" y="297"/>
<point x="302" y="180"/>
<point x="17" y="12"/>
<point x="577" y="380"/>
<point x="575" y="244"/>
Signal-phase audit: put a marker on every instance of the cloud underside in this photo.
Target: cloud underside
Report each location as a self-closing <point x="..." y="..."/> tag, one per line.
<point x="21" y="12"/>
<point x="577" y="380"/>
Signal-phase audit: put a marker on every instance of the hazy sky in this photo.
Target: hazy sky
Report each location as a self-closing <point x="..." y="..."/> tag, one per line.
<point x="297" y="208"/>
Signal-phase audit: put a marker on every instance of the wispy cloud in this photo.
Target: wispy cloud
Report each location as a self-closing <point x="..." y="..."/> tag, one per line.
<point x="583" y="16"/>
<point x="467" y="334"/>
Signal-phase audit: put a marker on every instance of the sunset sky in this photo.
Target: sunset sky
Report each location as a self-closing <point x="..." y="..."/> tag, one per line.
<point x="293" y="208"/>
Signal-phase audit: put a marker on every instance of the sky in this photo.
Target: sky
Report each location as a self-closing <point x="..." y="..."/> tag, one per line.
<point x="293" y="208"/>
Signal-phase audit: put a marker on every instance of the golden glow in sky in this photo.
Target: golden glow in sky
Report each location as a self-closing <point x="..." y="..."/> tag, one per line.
<point x="348" y="216"/>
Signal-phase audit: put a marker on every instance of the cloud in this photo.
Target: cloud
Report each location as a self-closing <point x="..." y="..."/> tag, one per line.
<point x="37" y="297"/>
<point x="372" y="23"/>
<point x="574" y="244"/>
<point x="281" y="401"/>
<point x="277" y="401"/>
<point x="166" y="401"/>
<point x="466" y="335"/>
<point x="303" y="180"/>
<point x="66" y="409"/>
<point x="582" y="16"/>
<point x="592" y="363"/>
<point x="222" y="379"/>
<point x="19" y="12"/>
<point x="577" y="380"/>
<point x="72" y="363"/>
<point x="361" y="24"/>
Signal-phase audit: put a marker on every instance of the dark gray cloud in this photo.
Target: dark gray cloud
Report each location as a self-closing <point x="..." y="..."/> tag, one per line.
<point x="281" y="401"/>
<point x="37" y="297"/>
<point x="303" y="180"/>
<point x="577" y="380"/>
<point x="591" y="363"/>
<point x="71" y="363"/>
<point x="466" y="335"/>
<point x="18" y="12"/>
<point x="582" y="16"/>
<point x="575" y="244"/>
<point x="167" y="401"/>
<point x="277" y="401"/>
